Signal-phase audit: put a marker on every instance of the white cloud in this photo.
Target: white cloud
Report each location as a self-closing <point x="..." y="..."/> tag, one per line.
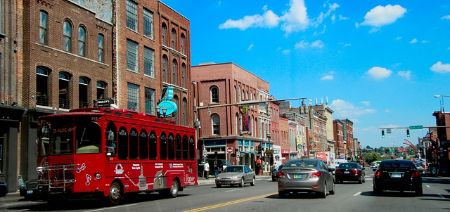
<point x="323" y="15"/>
<point x="405" y="74"/>
<point x="342" y="18"/>
<point x="344" y="109"/>
<point x="296" y="18"/>
<point x="328" y="76"/>
<point x="379" y="73"/>
<point x="413" y="41"/>
<point x="399" y="38"/>
<point x="440" y="67"/>
<point x="383" y="15"/>
<point x="267" y="20"/>
<point x="286" y="51"/>
<point x="250" y="47"/>
<point x="347" y="45"/>
<point x="305" y="44"/>
<point x="366" y="103"/>
<point x="446" y="17"/>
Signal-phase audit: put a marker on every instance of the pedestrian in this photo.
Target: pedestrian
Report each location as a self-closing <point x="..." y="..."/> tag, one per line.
<point x="206" y="170"/>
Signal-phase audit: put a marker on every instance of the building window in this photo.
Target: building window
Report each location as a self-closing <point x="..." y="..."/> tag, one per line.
<point x="133" y="97"/>
<point x="214" y="91"/>
<point x="175" y="72"/>
<point x="185" y="111"/>
<point x="43" y="23"/>
<point x="173" y="38"/>
<point x="164" y="34"/>
<point x="132" y="56"/>
<point x="101" y="48"/>
<point x="67" y="36"/>
<point x="165" y="65"/>
<point x="215" y="123"/>
<point x="183" y="43"/>
<point x="177" y="102"/>
<point x="42" y="92"/>
<point x="148" y="23"/>
<point x="150" y="101"/>
<point x="2" y="25"/>
<point x="131" y="8"/>
<point x="101" y="87"/>
<point x="64" y="82"/>
<point x="81" y="41"/>
<point x="149" y="57"/>
<point x="83" y="90"/>
<point x="183" y="75"/>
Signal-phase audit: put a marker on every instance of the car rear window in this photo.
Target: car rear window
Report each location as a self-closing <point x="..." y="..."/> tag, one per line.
<point x="396" y="165"/>
<point x="348" y="165"/>
<point x="301" y="163"/>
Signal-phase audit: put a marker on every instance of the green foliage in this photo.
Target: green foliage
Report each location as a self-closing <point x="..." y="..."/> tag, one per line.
<point x="369" y="157"/>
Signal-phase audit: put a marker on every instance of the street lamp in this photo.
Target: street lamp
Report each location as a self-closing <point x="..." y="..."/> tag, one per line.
<point x="441" y="101"/>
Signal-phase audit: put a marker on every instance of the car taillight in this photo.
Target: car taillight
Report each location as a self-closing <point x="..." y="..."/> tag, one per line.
<point x="415" y="173"/>
<point x="316" y="174"/>
<point x="378" y="173"/>
<point x="338" y="171"/>
<point x="281" y="174"/>
<point x="354" y="171"/>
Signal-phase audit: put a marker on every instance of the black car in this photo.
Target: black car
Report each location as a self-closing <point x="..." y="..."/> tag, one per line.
<point x="275" y="172"/>
<point x="350" y="172"/>
<point x="3" y="189"/>
<point x="399" y="175"/>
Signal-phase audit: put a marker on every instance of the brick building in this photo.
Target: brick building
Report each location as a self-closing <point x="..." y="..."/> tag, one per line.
<point x="229" y="132"/>
<point x="153" y="51"/>
<point x="339" y="139"/>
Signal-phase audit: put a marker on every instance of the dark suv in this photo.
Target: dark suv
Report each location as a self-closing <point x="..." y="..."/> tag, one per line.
<point x="399" y="175"/>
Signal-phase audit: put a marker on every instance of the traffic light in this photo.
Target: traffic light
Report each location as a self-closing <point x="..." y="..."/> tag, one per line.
<point x="407" y="133"/>
<point x="382" y="133"/>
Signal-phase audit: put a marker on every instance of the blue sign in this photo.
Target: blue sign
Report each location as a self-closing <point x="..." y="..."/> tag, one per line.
<point x="167" y="108"/>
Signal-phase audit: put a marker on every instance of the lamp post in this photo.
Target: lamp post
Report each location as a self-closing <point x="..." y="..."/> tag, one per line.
<point x="441" y="101"/>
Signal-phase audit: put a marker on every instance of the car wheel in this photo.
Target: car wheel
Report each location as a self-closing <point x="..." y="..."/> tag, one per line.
<point x="218" y="185"/>
<point x="253" y="182"/>
<point x="115" y="193"/>
<point x="323" y="194"/>
<point x="242" y="183"/>
<point x="282" y="194"/>
<point x="419" y="191"/>
<point x="273" y="179"/>
<point x="333" y="191"/>
<point x="360" y="180"/>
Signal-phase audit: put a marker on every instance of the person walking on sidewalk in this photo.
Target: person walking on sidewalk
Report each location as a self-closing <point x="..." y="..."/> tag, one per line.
<point x="206" y="170"/>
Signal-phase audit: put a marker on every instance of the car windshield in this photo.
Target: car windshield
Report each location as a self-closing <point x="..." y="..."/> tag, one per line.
<point x="301" y="163"/>
<point x="233" y="169"/>
<point x="348" y="165"/>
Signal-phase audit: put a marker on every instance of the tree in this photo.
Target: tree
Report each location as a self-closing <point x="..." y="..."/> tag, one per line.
<point x="370" y="157"/>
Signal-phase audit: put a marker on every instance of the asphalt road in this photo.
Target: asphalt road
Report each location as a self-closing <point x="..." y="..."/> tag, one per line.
<point x="264" y="197"/>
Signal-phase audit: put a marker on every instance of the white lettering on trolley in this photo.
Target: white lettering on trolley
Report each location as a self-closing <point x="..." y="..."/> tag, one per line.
<point x="81" y="168"/>
<point x="88" y="179"/>
<point x="158" y="165"/>
<point x="136" y="166"/>
<point x="176" y="165"/>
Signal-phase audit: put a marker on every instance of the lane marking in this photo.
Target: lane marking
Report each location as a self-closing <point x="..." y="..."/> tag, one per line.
<point x="357" y="194"/>
<point x="233" y="202"/>
<point x="115" y="207"/>
<point x="442" y="197"/>
<point x="427" y="186"/>
<point x="234" y="190"/>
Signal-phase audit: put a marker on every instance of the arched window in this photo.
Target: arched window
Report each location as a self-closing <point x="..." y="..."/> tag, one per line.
<point x="171" y="147"/>
<point x="163" y="146"/>
<point x="184" y="111"/>
<point x="175" y="72"/>
<point x="173" y="38"/>
<point x="67" y="33"/>
<point x="165" y="65"/>
<point x="153" y="146"/>
<point x="191" y="148"/>
<point x="134" y="144"/>
<point x="164" y="34"/>
<point x="183" y="43"/>
<point x="123" y="144"/>
<point x="185" y="147"/>
<point x="64" y="90"/>
<point x="214" y="93"/>
<point x="101" y="48"/>
<point x="101" y="87"/>
<point x="215" y="123"/>
<point x="110" y="136"/>
<point x="83" y="90"/>
<point x="176" y="114"/>
<point x="42" y="93"/>
<point x="82" y="41"/>
<point x="178" y="147"/>
<point x="43" y="27"/>
<point x="183" y="75"/>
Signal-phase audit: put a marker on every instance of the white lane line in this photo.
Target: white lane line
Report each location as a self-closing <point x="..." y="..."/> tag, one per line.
<point x="357" y="194"/>
<point x="234" y="190"/>
<point x="427" y="186"/>
<point x="109" y="208"/>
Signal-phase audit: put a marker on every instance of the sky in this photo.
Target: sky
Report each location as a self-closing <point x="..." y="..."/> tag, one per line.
<point x="379" y="63"/>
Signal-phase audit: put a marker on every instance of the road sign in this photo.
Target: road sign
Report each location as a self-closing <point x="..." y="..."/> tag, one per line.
<point x="416" y="127"/>
<point x="229" y="150"/>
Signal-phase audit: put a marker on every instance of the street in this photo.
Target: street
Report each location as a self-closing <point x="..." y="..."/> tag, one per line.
<point x="264" y="197"/>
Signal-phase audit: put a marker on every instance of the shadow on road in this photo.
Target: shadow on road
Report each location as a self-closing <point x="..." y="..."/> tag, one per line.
<point x="295" y="195"/>
<point x="433" y="180"/>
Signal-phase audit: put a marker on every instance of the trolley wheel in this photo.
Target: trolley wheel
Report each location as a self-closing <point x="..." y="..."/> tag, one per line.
<point x="172" y="192"/>
<point x="115" y="194"/>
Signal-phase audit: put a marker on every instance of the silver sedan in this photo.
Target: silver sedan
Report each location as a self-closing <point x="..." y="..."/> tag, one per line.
<point x="305" y="175"/>
<point x="236" y="175"/>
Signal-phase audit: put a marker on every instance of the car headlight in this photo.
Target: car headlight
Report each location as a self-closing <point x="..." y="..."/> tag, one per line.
<point x="235" y="177"/>
<point x="218" y="178"/>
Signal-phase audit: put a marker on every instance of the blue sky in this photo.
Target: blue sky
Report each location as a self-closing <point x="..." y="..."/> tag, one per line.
<point x="379" y="62"/>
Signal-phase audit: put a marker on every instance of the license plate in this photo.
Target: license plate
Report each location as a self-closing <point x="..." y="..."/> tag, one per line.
<point x="346" y="172"/>
<point x="29" y="191"/>
<point x="298" y="176"/>
<point x="396" y="174"/>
